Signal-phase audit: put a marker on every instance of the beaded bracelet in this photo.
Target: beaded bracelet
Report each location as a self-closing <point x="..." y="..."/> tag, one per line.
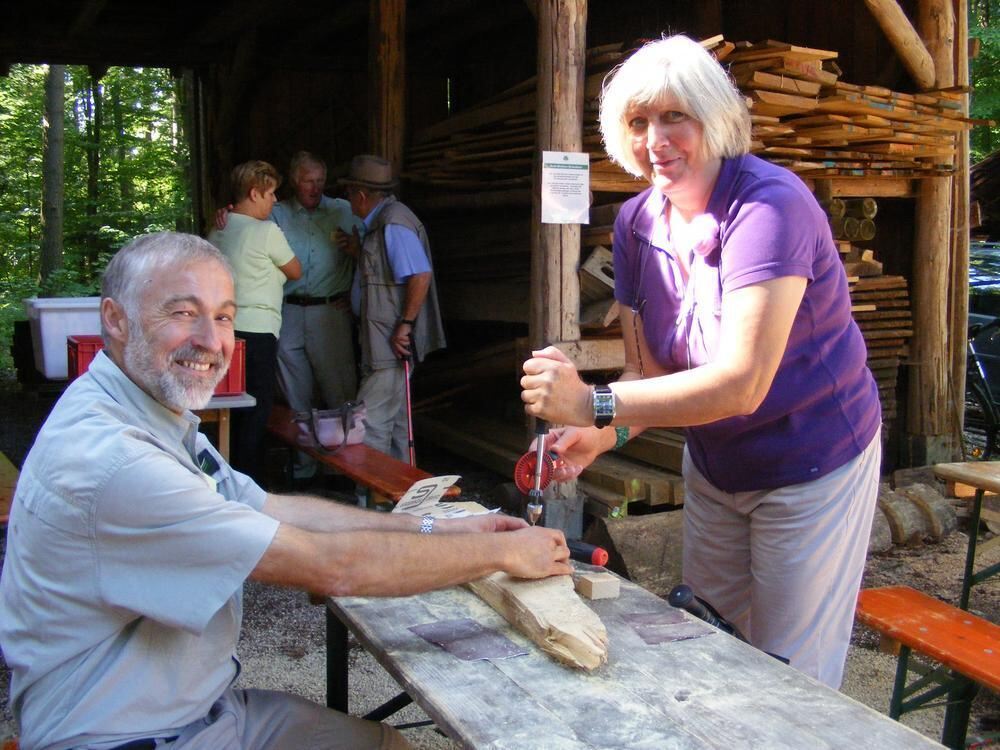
<point x="621" y="436"/>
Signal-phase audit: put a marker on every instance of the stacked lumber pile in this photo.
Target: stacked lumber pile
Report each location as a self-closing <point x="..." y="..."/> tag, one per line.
<point x="611" y="484"/>
<point x="804" y="117"/>
<point x="491" y="146"/>
<point x="808" y="120"/>
<point x="881" y="307"/>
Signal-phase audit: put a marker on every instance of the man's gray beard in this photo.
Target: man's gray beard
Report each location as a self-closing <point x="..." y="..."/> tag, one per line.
<point x="157" y="379"/>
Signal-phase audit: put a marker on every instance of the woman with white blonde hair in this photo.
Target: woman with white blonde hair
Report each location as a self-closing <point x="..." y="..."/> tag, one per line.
<point x="737" y="327"/>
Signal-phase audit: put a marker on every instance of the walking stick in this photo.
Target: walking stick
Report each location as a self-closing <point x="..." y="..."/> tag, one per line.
<point x="409" y="404"/>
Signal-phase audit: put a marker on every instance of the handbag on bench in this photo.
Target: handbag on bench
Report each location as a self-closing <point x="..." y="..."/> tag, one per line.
<point x="332" y="429"/>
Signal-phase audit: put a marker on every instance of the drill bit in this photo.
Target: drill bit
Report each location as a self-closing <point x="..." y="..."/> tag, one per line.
<point x="535" y="506"/>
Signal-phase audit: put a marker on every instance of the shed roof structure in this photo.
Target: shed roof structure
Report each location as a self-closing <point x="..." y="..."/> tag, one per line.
<point x="464" y="96"/>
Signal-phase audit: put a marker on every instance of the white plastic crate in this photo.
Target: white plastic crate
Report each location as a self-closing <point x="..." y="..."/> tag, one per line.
<point x="52" y="320"/>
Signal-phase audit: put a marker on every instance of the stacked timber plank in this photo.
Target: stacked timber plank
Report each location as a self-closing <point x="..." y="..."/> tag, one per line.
<point x="881" y="307"/>
<point x="804" y="117"/>
<point x="612" y="483"/>
<point x="808" y="120"/>
<point x="491" y="146"/>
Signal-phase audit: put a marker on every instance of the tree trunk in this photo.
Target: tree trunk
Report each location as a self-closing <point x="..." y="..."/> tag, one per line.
<point x="52" y="172"/>
<point x="125" y="192"/>
<point x="94" y="111"/>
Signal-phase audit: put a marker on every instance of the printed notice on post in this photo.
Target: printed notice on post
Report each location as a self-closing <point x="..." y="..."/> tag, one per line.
<point x="565" y="187"/>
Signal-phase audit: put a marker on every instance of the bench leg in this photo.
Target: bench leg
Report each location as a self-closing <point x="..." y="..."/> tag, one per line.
<point x="336" y="662"/>
<point x="956" y="717"/>
<point x="899" y="686"/>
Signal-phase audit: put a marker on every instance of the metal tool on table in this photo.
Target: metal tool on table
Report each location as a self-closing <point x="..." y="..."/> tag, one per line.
<point x="683" y="597"/>
<point x="533" y="472"/>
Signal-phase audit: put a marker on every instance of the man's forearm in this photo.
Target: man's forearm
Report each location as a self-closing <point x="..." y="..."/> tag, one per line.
<point x="416" y="292"/>
<point x="316" y="514"/>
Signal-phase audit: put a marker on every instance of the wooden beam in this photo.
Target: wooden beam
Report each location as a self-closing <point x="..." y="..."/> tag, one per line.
<point x="961" y="220"/>
<point x="930" y="412"/>
<point x="936" y="25"/>
<point x="586" y="354"/>
<point x="387" y="74"/>
<point x="85" y="17"/>
<point x="555" y="248"/>
<point x="905" y="40"/>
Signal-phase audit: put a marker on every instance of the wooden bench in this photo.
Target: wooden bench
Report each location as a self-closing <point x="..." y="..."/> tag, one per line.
<point x="8" y="480"/>
<point x="966" y="647"/>
<point x="387" y="478"/>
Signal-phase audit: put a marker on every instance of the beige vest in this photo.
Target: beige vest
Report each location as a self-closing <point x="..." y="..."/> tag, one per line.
<point x="382" y="298"/>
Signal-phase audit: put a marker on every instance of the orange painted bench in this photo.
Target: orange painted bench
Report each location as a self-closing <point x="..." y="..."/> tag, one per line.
<point x="966" y="647"/>
<point x="388" y="478"/>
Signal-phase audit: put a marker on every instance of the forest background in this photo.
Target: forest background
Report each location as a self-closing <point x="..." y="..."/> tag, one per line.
<point x="124" y="169"/>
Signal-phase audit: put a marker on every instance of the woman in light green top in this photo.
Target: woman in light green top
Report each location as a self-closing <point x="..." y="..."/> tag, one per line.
<point x="261" y="261"/>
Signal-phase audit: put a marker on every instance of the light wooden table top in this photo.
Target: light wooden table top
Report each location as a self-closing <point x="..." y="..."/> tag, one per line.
<point x="707" y="692"/>
<point x="983" y="475"/>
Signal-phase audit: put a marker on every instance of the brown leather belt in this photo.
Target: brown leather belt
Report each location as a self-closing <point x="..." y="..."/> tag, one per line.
<point x="295" y="299"/>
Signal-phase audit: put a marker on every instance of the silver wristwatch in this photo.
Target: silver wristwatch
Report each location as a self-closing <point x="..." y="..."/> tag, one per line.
<point x="603" y="401"/>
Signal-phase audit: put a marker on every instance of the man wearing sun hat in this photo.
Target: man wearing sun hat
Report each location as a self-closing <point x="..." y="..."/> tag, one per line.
<point x="397" y="301"/>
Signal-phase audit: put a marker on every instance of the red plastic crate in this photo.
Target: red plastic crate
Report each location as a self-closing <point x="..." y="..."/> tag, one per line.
<point x="81" y="350"/>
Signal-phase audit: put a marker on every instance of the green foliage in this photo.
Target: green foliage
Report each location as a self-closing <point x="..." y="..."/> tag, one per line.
<point x="125" y="156"/>
<point x="984" y="74"/>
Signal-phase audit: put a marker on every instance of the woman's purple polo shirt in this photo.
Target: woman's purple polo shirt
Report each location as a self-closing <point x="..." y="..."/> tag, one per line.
<point x="823" y="408"/>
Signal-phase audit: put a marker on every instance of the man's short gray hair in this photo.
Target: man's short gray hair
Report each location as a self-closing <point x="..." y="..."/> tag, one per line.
<point x="136" y="265"/>
<point x="303" y="159"/>
<point x="682" y="68"/>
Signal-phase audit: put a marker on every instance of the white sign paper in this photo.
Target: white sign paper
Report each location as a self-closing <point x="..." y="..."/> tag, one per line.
<point x="565" y="187"/>
<point x="424" y="494"/>
<point x="424" y="499"/>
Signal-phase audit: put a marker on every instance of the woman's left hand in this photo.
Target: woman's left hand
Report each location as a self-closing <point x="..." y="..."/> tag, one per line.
<point x="552" y="389"/>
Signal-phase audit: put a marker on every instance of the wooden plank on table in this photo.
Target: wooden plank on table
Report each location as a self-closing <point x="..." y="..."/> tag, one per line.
<point x="550" y="613"/>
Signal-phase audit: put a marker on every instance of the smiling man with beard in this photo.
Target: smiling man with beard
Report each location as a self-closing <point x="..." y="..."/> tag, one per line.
<point x="130" y="539"/>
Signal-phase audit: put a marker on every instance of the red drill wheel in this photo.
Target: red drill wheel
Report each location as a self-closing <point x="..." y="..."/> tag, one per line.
<point x="524" y="472"/>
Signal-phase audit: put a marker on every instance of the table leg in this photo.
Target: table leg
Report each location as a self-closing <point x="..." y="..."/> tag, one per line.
<point x="224" y="433"/>
<point x="970" y="554"/>
<point x="336" y="663"/>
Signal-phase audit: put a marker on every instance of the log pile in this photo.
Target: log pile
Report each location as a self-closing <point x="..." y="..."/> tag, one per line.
<point x="804" y="117"/>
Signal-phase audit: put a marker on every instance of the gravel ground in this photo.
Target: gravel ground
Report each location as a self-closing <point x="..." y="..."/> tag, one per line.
<point x="283" y="641"/>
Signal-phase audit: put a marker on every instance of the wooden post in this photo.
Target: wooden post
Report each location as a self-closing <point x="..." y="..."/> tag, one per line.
<point x="905" y="40"/>
<point x="959" y="297"/>
<point x="929" y="405"/>
<point x="555" y="248"/>
<point x="387" y="74"/>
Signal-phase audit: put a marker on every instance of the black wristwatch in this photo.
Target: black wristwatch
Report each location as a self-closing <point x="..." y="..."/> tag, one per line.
<point x="410" y="323"/>
<point x="603" y="401"/>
